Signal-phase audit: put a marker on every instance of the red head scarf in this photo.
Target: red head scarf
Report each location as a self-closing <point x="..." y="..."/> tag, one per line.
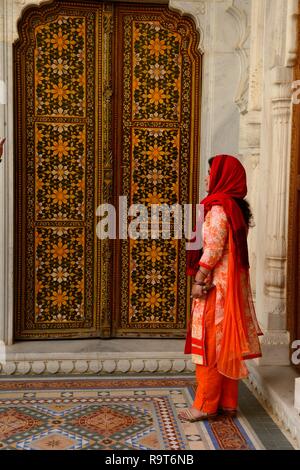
<point x="227" y="182"/>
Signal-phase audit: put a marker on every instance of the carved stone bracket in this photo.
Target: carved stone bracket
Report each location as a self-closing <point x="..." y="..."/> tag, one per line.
<point x="291" y="51"/>
<point x="241" y="20"/>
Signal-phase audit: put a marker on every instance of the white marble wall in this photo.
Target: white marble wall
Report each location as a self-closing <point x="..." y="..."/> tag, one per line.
<point x="224" y="29"/>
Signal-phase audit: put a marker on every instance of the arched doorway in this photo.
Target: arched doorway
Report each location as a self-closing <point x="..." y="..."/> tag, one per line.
<point x="107" y="105"/>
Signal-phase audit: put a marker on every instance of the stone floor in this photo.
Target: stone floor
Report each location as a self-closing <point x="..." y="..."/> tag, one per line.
<point x="275" y="386"/>
<point x="124" y="413"/>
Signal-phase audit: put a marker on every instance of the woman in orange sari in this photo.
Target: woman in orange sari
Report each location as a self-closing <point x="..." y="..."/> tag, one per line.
<point x="223" y="329"/>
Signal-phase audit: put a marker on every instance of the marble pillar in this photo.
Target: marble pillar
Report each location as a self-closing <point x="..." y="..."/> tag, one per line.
<point x="250" y="125"/>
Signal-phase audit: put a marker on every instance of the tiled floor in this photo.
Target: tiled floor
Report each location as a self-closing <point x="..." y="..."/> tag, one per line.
<point x="261" y="423"/>
<point x="132" y="413"/>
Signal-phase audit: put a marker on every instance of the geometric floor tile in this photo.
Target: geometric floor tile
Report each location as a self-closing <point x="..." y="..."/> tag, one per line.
<point x="12" y="421"/>
<point x="55" y="439"/>
<point x="124" y="413"/>
<point x="146" y="440"/>
<point x="57" y="410"/>
<point x="106" y="421"/>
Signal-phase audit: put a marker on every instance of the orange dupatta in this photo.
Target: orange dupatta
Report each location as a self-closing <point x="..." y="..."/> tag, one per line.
<point x="235" y="345"/>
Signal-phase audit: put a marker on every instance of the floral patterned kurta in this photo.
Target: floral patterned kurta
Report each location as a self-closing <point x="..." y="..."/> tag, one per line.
<point x="215" y="258"/>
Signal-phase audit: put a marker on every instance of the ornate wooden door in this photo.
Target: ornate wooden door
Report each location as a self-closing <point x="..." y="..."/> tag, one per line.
<point x="107" y="104"/>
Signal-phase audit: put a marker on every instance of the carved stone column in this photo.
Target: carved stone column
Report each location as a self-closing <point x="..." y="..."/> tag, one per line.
<point x="291" y="58"/>
<point x="276" y="339"/>
<point x="250" y="129"/>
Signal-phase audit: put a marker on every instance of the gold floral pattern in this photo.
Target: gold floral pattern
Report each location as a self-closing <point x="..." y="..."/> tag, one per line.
<point x="156" y="72"/>
<point x="153" y="295"/>
<point x="155" y="166"/>
<point x="157" y="113"/>
<point x="60" y="171"/>
<point x="59" y="275"/>
<point x="60" y="164"/>
<point x="60" y="67"/>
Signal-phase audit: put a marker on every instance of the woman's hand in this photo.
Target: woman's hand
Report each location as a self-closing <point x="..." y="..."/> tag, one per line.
<point x="197" y="291"/>
<point x="201" y="275"/>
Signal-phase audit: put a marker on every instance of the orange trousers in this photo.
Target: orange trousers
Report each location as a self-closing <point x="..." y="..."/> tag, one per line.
<point x="214" y="390"/>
